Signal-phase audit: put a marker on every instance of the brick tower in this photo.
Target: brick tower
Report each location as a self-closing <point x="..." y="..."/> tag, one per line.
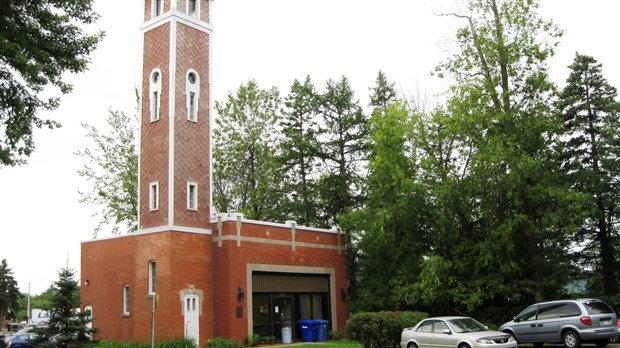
<point x="175" y="117"/>
<point x="226" y="277"/>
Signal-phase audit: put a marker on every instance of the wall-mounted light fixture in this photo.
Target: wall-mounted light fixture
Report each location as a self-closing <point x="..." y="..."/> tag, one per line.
<point x="240" y="293"/>
<point x="343" y="294"/>
<point x="86" y="282"/>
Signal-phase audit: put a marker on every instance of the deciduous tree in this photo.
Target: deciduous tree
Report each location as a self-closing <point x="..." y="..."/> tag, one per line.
<point x="112" y="170"/>
<point x="244" y="155"/>
<point x="40" y="41"/>
<point x="509" y="198"/>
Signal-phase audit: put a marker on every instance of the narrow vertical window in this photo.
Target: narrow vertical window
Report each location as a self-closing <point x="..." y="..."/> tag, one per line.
<point x="154" y="196"/>
<point x="158" y="7"/>
<point x="192" y="196"/>
<point x="126" y="300"/>
<point x="192" y="8"/>
<point x="152" y="276"/>
<point x="155" y="94"/>
<point x="192" y="92"/>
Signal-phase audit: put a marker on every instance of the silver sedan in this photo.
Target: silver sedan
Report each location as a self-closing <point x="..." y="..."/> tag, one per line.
<point x="454" y="332"/>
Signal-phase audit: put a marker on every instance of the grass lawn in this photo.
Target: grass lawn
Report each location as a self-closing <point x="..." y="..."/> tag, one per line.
<point x="332" y="344"/>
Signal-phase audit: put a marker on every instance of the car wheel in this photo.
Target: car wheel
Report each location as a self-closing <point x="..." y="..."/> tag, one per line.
<point x="614" y="339"/>
<point x="602" y="343"/>
<point x="571" y="339"/>
<point x="412" y="345"/>
<point x="464" y="345"/>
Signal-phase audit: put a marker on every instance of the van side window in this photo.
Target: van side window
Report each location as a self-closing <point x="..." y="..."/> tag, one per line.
<point x="570" y="310"/>
<point x="550" y="311"/>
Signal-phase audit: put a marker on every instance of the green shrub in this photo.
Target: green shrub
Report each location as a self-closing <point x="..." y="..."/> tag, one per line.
<point x="268" y="340"/>
<point x="223" y="343"/>
<point x="334" y="335"/>
<point x="381" y="329"/>
<point x="252" y="340"/>
<point x="116" y="344"/>
<point x="172" y="343"/>
<point x="177" y="343"/>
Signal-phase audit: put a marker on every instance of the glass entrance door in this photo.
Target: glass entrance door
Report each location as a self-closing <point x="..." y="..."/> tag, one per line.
<point x="282" y="309"/>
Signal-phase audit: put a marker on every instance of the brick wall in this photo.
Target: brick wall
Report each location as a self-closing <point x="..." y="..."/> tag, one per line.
<point x="154" y="137"/>
<point x="183" y="260"/>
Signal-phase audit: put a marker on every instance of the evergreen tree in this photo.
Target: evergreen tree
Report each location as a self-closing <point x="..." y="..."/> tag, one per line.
<point x="383" y="94"/>
<point x="9" y="293"/>
<point x="591" y="158"/>
<point x="68" y="327"/>
<point x="343" y="149"/>
<point x="300" y="151"/>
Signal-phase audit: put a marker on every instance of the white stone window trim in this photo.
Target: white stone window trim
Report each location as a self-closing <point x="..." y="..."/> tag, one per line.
<point x="154" y="196"/>
<point x="152" y="277"/>
<point x="196" y="13"/>
<point x="126" y="300"/>
<point x="157" y="8"/>
<point x="192" y="87"/>
<point x="192" y="195"/>
<point x="155" y="81"/>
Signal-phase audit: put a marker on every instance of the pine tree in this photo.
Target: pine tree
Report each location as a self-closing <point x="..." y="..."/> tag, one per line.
<point x="591" y="156"/>
<point x="299" y="148"/>
<point x="9" y="293"/>
<point x="383" y="94"/>
<point x="343" y="148"/>
<point x="68" y="326"/>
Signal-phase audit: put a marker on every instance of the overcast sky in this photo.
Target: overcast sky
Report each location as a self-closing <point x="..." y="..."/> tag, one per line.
<point x="271" y="41"/>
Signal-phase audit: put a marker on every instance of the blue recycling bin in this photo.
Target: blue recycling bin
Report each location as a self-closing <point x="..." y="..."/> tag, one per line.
<point x="322" y="326"/>
<point x="309" y="329"/>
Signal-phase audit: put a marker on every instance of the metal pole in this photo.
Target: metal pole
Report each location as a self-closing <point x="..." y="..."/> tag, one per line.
<point x="28" y="306"/>
<point x="153" y="321"/>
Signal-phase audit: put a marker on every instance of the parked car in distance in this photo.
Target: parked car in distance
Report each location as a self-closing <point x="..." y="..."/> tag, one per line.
<point x="570" y="322"/>
<point x="21" y="341"/>
<point x="457" y="332"/>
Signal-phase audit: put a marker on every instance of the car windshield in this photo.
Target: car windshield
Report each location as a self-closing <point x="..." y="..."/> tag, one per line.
<point x="466" y="325"/>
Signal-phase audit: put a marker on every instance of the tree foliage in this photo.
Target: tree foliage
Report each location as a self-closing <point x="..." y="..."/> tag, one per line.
<point x="300" y="152"/>
<point x="112" y="170"/>
<point x="343" y="149"/>
<point x="39" y="42"/>
<point x="245" y="166"/>
<point x="508" y="198"/>
<point x="67" y="325"/>
<point x="9" y="293"/>
<point x="591" y="159"/>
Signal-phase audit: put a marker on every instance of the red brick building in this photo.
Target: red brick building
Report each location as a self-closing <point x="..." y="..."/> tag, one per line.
<point x="223" y="277"/>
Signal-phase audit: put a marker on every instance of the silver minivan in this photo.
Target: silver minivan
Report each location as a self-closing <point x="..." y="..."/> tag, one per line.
<point x="570" y="322"/>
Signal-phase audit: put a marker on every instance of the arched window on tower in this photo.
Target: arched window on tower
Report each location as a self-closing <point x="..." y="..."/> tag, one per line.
<point x="192" y="94"/>
<point x="155" y="94"/>
<point x="193" y="8"/>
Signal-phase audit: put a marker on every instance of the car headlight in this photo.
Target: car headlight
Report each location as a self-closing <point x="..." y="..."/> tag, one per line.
<point x="511" y="339"/>
<point x="484" y="341"/>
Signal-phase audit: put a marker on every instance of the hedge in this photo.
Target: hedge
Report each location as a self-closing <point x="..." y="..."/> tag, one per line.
<point x="381" y="329"/>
